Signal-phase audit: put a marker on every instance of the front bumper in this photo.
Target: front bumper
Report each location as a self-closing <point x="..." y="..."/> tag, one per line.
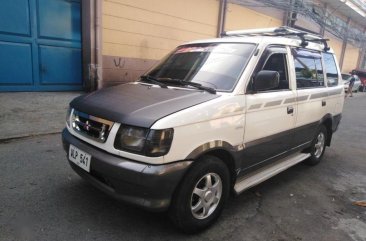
<point x="148" y="186"/>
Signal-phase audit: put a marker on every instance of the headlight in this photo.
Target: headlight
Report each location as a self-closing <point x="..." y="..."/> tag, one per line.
<point x="131" y="138"/>
<point x="68" y="114"/>
<point x="158" y="142"/>
<point x="144" y="141"/>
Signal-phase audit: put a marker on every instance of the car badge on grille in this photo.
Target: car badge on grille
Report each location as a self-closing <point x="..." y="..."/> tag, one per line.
<point x="91" y="127"/>
<point x="87" y="125"/>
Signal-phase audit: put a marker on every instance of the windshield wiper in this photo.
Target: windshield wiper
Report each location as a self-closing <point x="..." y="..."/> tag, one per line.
<point x="153" y="80"/>
<point x="184" y="82"/>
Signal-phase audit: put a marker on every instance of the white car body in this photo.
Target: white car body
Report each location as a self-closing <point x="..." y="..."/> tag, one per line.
<point x="256" y="131"/>
<point x="232" y="117"/>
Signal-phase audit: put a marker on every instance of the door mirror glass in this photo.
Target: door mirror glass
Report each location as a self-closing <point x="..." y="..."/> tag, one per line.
<point x="266" y="80"/>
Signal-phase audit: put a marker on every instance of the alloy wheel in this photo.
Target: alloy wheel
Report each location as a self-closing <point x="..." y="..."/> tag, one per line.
<point x="319" y="145"/>
<point x="206" y="195"/>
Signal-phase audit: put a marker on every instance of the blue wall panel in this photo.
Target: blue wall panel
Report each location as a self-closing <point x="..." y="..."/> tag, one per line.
<point x="14" y="17"/>
<point x="60" y="65"/>
<point x="65" y="17"/>
<point x="40" y="45"/>
<point x="18" y="61"/>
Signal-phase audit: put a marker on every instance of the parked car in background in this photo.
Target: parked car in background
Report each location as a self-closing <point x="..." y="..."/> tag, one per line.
<point x="346" y="79"/>
<point x="362" y="75"/>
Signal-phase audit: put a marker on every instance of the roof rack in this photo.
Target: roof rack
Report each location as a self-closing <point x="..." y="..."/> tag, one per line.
<point x="283" y="31"/>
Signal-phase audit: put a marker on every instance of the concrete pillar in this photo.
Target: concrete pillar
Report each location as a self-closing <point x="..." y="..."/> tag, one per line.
<point x="361" y="57"/>
<point x="322" y="26"/>
<point x="88" y="42"/>
<point x="344" y="45"/>
<point x="222" y="17"/>
<point x="98" y="43"/>
<point x="286" y="15"/>
<point x="289" y="17"/>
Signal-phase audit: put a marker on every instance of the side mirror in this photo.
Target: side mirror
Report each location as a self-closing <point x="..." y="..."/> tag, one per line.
<point x="266" y="80"/>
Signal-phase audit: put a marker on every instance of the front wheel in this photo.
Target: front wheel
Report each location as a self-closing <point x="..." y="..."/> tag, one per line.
<point x="317" y="147"/>
<point x="201" y="196"/>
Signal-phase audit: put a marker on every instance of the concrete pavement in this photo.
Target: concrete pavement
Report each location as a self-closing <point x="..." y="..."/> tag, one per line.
<point x="25" y="114"/>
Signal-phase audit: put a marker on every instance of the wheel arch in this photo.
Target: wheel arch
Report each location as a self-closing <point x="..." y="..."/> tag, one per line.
<point x="327" y="121"/>
<point x="220" y="149"/>
<point x="226" y="157"/>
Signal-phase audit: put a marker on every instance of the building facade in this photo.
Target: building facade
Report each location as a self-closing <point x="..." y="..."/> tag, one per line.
<point x="58" y="45"/>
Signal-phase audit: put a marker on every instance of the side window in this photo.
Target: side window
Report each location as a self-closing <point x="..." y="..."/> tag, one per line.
<point x="308" y="68"/>
<point x="277" y="62"/>
<point x="330" y="69"/>
<point x="273" y="58"/>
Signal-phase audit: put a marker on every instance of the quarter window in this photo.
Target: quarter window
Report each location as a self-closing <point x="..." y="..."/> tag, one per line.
<point x="330" y="69"/>
<point x="309" y="70"/>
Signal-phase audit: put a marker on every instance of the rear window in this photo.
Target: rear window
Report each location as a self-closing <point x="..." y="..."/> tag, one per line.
<point x="330" y="69"/>
<point x="308" y="68"/>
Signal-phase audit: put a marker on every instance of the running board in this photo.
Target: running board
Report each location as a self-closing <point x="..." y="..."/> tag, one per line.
<point x="265" y="173"/>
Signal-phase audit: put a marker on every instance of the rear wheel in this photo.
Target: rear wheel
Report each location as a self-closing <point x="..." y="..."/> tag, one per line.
<point x="201" y="196"/>
<point x="317" y="147"/>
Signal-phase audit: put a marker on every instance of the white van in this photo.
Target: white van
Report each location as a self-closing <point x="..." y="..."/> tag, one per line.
<point x="214" y="117"/>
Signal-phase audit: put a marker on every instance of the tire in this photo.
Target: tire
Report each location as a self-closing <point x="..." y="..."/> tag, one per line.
<point x="201" y="196"/>
<point x="317" y="148"/>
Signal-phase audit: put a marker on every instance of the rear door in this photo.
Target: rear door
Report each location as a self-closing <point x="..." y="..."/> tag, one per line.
<point x="312" y="92"/>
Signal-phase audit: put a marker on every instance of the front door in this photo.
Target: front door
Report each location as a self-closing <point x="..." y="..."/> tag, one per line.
<point x="270" y="115"/>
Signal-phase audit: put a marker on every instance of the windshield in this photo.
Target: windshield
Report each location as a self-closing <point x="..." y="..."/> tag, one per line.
<point x="214" y="65"/>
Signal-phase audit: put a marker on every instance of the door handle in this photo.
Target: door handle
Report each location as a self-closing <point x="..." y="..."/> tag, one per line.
<point x="324" y="103"/>
<point x="290" y="110"/>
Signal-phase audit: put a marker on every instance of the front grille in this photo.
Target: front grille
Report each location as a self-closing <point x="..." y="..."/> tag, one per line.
<point x="90" y="126"/>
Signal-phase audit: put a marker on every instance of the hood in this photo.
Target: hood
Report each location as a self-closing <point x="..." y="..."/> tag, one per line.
<point x="138" y="104"/>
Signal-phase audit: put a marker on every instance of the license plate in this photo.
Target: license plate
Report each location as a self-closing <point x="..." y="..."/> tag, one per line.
<point x="80" y="158"/>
